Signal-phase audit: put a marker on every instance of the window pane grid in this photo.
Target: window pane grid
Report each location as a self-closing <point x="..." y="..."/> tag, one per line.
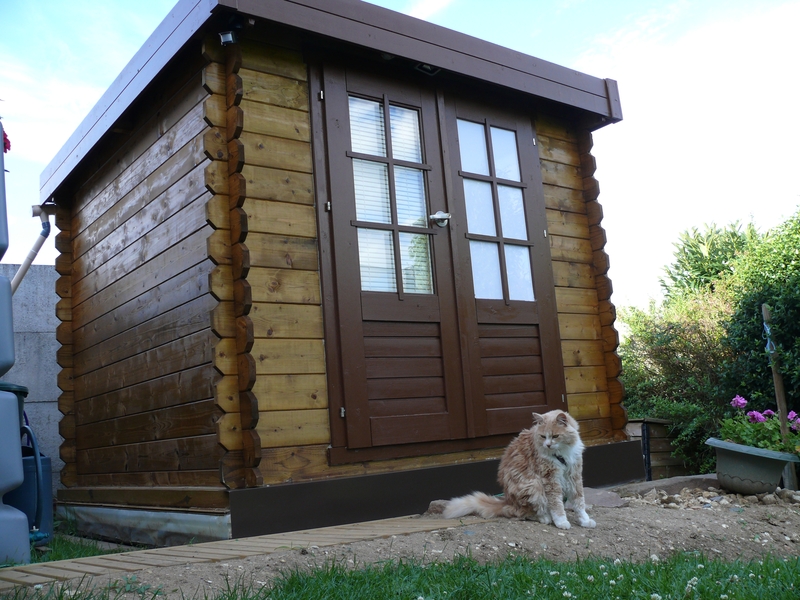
<point x="496" y="218"/>
<point x="392" y="195"/>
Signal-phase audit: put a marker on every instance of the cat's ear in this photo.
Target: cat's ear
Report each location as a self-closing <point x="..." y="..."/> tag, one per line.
<point x="537" y="419"/>
<point x="562" y="419"/>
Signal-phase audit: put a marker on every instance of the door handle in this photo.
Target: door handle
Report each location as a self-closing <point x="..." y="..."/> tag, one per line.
<point x="441" y="218"/>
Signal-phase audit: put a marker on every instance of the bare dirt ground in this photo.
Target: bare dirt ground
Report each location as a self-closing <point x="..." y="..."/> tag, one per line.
<point x="636" y="523"/>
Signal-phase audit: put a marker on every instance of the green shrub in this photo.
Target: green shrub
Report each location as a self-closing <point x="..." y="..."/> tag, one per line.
<point x="769" y="272"/>
<point x="673" y="357"/>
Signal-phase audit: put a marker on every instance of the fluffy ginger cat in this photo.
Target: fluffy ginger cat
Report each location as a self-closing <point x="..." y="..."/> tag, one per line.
<point x="540" y="468"/>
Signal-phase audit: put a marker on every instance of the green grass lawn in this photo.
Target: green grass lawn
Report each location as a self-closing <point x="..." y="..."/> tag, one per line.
<point x="65" y="547"/>
<point x="682" y="576"/>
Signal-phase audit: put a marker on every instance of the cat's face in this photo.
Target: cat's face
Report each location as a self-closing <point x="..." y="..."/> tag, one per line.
<point x="554" y="430"/>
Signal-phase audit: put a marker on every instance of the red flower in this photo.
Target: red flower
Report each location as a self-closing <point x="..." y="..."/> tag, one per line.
<point x="6" y="142"/>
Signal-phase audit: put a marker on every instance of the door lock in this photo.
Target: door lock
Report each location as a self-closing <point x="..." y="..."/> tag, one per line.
<point x="441" y="218"/>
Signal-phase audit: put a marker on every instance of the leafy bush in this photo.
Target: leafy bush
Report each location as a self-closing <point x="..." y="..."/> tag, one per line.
<point x="769" y="272"/>
<point x="701" y="257"/>
<point x="673" y="358"/>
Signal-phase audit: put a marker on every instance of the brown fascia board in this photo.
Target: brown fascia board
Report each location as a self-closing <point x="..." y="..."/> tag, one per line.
<point x="352" y="21"/>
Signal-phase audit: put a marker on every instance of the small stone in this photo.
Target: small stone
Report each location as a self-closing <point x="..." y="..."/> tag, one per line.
<point x="651" y="496"/>
<point x="769" y="499"/>
<point x="750" y="499"/>
<point x="794" y="498"/>
<point x="437" y="507"/>
<point x="784" y="494"/>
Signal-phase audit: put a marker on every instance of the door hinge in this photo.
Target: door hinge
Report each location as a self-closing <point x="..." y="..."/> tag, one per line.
<point x="328" y="206"/>
<point x="545" y="233"/>
<point x="341" y="412"/>
<point x="534" y="141"/>
<point x="321" y="95"/>
<point x="563" y="400"/>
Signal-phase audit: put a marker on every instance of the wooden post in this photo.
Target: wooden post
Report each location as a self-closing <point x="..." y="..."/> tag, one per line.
<point x="789" y="475"/>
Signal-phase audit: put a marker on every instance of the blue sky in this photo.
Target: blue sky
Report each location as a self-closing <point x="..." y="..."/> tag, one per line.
<point x="709" y="91"/>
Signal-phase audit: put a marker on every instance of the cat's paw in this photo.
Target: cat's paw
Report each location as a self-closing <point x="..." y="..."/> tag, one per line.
<point x="562" y="523"/>
<point x="588" y="523"/>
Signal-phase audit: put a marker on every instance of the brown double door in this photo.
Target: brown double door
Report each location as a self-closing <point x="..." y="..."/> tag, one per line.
<point x="440" y="268"/>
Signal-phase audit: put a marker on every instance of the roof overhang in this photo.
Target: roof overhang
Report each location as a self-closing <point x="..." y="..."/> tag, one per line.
<point x="352" y="21"/>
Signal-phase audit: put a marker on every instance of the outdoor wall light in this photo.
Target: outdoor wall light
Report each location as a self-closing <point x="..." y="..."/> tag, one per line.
<point x="427" y="69"/>
<point x="227" y="37"/>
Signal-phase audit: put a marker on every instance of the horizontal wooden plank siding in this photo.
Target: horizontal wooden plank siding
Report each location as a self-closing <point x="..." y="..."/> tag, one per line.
<point x="193" y="344"/>
<point x="582" y="287"/>
<point x="277" y="295"/>
<point x="141" y="252"/>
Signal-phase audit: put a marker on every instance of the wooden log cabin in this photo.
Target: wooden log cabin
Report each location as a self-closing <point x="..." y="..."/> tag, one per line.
<point x="319" y="262"/>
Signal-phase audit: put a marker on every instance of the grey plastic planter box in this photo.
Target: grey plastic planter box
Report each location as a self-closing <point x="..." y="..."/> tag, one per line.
<point x="748" y="470"/>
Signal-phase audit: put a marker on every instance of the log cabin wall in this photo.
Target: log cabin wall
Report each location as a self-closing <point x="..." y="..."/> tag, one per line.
<point x="144" y="332"/>
<point x="278" y="301"/>
<point x="193" y="352"/>
<point x="580" y="265"/>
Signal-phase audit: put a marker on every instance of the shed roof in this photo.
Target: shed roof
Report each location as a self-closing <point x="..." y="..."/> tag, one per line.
<point x="353" y="21"/>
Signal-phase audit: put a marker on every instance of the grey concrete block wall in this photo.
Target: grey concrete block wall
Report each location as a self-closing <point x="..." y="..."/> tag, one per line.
<point x="35" y="345"/>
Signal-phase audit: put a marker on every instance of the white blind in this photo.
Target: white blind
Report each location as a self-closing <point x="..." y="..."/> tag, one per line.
<point x="376" y="258"/>
<point x="410" y="194"/>
<point x="371" y="181"/>
<point x="367" y="133"/>
<point x="405" y="134"/>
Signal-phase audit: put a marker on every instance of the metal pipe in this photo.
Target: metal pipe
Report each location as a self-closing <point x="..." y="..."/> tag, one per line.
<point x="43" y="211"/>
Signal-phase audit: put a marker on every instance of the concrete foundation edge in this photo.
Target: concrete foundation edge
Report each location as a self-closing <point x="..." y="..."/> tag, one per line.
<point x="146" y="527"/>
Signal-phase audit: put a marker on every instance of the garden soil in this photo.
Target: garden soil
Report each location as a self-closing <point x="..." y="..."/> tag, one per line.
<point x="640" y="522"/>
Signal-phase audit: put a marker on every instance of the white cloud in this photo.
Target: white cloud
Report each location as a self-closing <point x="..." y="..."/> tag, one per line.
<point x="709" y="134"/>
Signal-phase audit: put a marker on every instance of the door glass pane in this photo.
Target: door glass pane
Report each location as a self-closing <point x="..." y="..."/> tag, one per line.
<point x="415" y="258"/>
<point x="472" y="145"/>
<point x="512" y="212"/>
<point x="405" y="134"/>
<point x="410" y="194"/>
<point x="518" y="267"/>
<point x="480" y="208"/>
<point x="486" y="270"/>
<point x="504" y="151"/>
<point x="372" y="191"/>
<point x="367" y="133"/>
<point x="376" y="258"/>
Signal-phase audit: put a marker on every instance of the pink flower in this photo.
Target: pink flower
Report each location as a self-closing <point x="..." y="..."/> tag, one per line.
<point x="791" y="416"/>
<point x="738" y="402"/>
<point x="769" y="413"/>
<point x="756" y="417"/>
<point x="6" y="143"/>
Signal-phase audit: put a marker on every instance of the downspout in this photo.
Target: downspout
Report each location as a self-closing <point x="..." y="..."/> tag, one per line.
<point x="43" y="211"/>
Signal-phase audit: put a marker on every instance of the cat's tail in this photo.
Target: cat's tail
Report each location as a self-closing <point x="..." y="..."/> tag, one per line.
<point x="476" y="503"/>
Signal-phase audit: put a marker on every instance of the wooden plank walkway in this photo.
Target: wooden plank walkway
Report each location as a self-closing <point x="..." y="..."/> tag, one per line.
<point x="128" y="562"/>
